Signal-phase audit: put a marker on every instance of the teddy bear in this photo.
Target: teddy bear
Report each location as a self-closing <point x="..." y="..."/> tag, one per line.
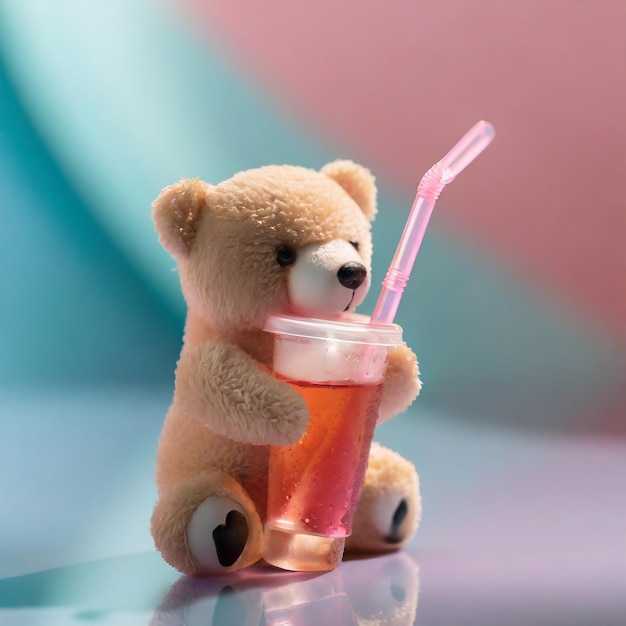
<point x="271" y="239"/>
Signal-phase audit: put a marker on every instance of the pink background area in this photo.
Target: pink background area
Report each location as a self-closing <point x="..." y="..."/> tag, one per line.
<point x="400" y="81"/>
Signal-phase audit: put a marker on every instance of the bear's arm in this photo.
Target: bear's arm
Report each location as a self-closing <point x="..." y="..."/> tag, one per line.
<point x="402" y="384"/>
<point x="221" y="385"/>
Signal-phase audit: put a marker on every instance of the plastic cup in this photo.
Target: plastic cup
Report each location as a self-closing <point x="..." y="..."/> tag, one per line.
<point x="338" y="366"/>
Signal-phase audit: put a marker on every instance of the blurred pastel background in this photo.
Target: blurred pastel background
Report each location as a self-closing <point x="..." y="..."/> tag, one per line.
<point x="516" y="307"/>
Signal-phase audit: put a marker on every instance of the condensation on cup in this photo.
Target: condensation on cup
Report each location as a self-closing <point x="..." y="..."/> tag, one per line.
<point x="338" y="366"/>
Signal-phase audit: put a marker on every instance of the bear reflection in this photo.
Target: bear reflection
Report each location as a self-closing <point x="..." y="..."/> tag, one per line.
<point x="380" y="591"/>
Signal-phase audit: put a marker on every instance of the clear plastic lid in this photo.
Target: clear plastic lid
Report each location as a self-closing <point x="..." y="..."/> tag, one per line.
<point x="349" y="327"/>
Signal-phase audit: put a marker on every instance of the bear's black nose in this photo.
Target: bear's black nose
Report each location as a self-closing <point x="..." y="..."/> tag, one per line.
<point x="351" y="275"/>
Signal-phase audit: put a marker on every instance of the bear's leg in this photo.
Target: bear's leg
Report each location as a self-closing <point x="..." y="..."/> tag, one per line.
<point x="390" y="507"/>
<point x="207" y="525"/>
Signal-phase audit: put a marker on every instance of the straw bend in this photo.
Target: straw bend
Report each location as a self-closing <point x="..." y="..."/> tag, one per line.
<point x="431" y="185"/>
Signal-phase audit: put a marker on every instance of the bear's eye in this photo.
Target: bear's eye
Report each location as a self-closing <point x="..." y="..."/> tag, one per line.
<point x="355" y="244"/>
<point x="285" y="256"/>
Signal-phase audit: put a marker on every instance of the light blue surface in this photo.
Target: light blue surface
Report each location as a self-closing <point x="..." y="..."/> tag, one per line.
<point x="516" y="529"/>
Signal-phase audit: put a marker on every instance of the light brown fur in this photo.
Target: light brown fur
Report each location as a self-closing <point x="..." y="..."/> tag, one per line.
<point x="227" y="408"/>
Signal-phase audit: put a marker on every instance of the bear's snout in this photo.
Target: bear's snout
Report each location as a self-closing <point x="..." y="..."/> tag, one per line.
<point x="327" y="278"/>
<point x="352" y="275"/>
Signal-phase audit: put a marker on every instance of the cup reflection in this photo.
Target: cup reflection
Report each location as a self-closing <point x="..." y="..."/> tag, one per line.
<point x="381" y="590"/>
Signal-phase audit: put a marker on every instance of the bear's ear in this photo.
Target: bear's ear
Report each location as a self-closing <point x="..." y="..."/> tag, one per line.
<point x="177" y="213"/>
<point x="357" y="181"/>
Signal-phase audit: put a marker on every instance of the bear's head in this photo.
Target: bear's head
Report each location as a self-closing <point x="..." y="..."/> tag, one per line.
<point x="276" y="238"/>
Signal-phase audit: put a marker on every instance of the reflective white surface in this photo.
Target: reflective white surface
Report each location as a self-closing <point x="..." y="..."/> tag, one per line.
<point x="519" y="528"/>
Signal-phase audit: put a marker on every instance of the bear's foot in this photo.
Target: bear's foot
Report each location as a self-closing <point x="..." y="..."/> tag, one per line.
<point x="207" y="525"/>
<point x="389" y="508"/>
<point x="217" y="533"/>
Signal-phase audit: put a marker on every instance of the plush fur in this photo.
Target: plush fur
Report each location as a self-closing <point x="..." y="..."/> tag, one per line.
<point x="227" y="408"/>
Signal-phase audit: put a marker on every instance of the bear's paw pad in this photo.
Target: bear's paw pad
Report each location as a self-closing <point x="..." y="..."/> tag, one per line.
<point x="230" y="538"/>
<point x="395" y="533"/>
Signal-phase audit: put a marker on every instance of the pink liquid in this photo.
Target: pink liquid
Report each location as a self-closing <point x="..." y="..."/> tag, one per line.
<point x="314" y="484"/>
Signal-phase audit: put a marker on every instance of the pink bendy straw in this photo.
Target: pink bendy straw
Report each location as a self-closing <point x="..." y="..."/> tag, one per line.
<point x="435" y="179"/>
